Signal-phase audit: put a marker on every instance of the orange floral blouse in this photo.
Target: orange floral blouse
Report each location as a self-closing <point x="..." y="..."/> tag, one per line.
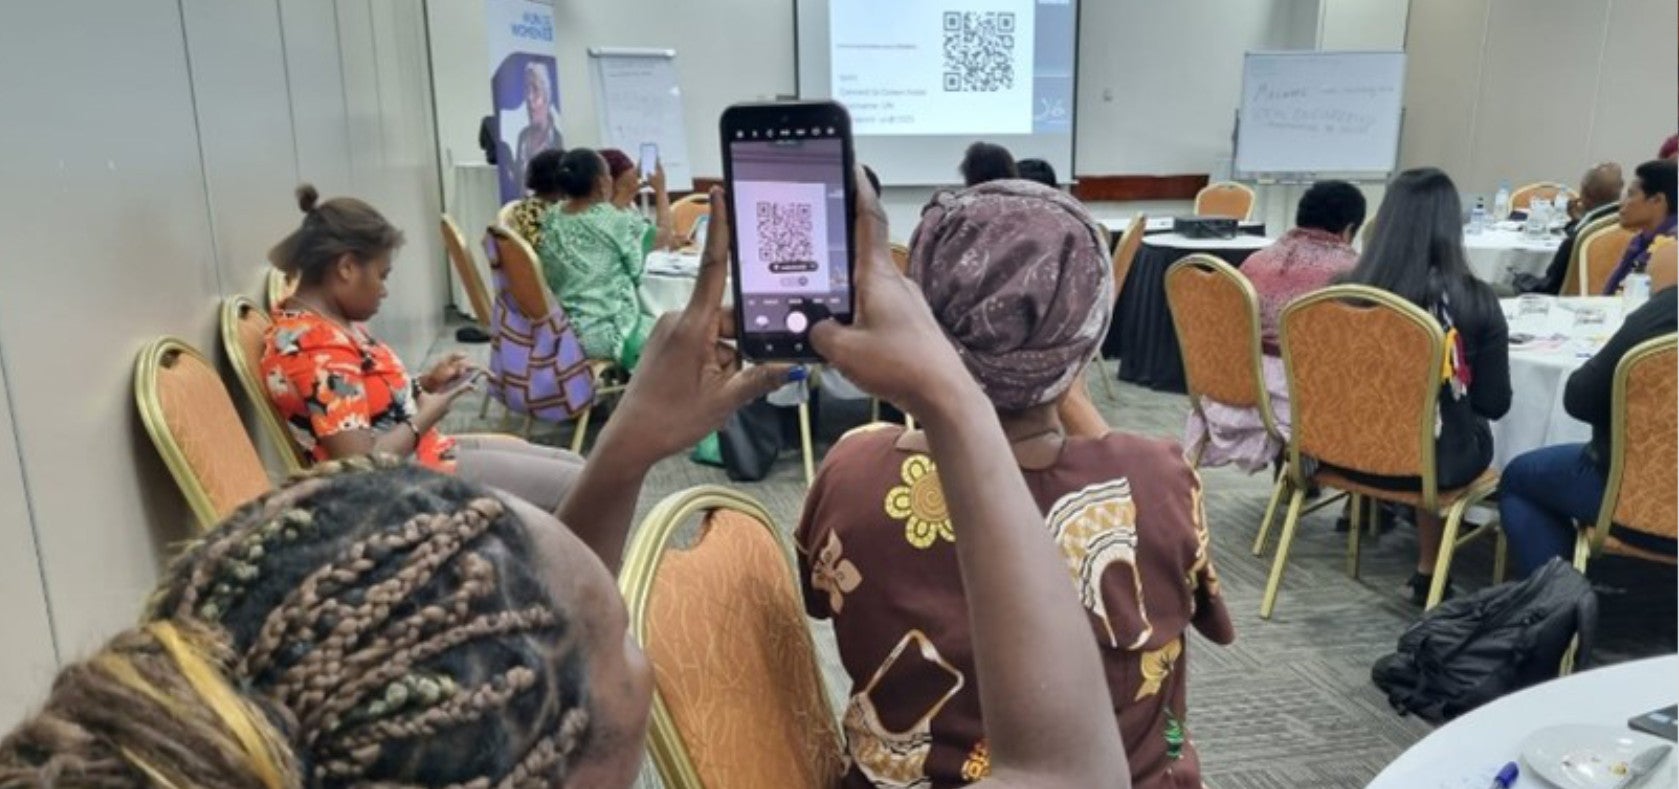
<point x="326" y="380"/>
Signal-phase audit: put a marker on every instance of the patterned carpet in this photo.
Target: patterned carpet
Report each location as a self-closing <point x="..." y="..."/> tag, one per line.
<point x="1290" y="704"/>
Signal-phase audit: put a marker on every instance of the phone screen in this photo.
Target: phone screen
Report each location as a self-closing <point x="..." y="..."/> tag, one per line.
<point x="649" y="159"/>
<point x="790" y="203"/>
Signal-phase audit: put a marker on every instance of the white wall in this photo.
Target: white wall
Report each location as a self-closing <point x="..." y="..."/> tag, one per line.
<point x="152" y="149"/>
<point x="1525" y="90"/>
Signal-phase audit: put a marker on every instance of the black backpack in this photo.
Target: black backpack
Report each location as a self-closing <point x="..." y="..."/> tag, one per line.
<point x="1471" y="650"/>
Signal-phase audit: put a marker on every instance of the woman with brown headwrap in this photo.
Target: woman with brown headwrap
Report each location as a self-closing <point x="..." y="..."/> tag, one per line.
<point x="379" y="625"/>
<point x="1018" y="279"/>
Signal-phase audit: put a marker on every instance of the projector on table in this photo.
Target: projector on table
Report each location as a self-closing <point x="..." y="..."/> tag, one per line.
<point x="1204" y="226"/>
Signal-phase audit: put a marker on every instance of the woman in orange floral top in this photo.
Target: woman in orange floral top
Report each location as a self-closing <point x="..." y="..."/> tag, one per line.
<point x="343" y="393"/>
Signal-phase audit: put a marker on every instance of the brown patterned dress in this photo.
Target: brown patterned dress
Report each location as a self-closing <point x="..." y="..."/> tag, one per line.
<point x="877" y="554"/>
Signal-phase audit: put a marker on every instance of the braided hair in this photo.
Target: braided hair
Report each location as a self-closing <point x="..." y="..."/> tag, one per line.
<point x="382" y="621"/>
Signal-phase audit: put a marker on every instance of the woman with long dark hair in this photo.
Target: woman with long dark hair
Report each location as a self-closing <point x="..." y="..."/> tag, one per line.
<point x="1416" y="252"/>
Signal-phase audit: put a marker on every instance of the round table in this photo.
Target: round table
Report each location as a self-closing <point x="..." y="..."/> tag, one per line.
<point x="1468" y="751"/>
<point x="1496" y="255"/>
<point x="667" y="282"/>
<point x="1141" y="334"/>
<point x="1539" y="370"/>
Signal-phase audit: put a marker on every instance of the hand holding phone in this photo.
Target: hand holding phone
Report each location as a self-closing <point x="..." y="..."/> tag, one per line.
<point x="649" y="160"/>
<point x="790" y="195"/>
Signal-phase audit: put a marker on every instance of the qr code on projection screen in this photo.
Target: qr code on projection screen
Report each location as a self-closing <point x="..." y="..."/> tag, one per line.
<point x="784" y="232"/>
<point x="978" y="51"/>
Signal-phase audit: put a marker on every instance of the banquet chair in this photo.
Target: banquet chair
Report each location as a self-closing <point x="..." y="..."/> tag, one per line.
<point x="1542" y="190"/>
<point x="685" y="212"/>
<point x="1639" y="497"/>
<point x="521" y="288"/>
<point x="1600" y="253"/>
<point x="190" y="417"/>
<point x="1225" y="198"/>
<point x="738" y="698"/>
<point x="467" y="269"/>
<point x="1124" y="253"/>
<point x="244" y="328"/>
<point x="1215" y="313"/>
<point x="1572" y="282"/>
<point x="277" y="288"/>
<point x="1363" y="370"/>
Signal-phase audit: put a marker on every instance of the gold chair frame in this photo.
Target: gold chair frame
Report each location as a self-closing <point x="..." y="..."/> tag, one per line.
<point x="1573" y="282"/>
<point x="1601" y="232"/>
<point x="1213" y="188"/>
<point x="233" y="312"/>
<point x="466" y="268"/>
<point x="1297" y="481"/>
<point x="156" y="355"/>
<point x="1527" y="191"/>
<point x="642" y="558"/>
<point x="1590" y="541"/>
<point x="277" y="288"/>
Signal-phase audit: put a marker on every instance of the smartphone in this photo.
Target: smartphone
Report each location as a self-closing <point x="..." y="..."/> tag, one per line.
<point x="1663" y="723"/>
<point x="787" y="175"/>
<point x="649" y="159"/>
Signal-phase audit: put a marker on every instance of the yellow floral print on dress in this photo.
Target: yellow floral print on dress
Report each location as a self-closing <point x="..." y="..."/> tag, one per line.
<point x="978" y="765"/>
<point x="919" y="503"/>
<point x="1156" y="666"/>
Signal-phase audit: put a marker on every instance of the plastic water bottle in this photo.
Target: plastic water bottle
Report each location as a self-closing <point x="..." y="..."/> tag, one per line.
<point x="1478" y="216"/>
<point x="1501" y="202"/>
<point x="1560" y="204"/>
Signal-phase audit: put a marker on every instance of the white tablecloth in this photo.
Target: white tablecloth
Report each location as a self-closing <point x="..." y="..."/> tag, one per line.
<point x="1180" y="241"/>
<point x="1498" y="254"/>
<point x="1468" y="751"/>
<point x="1539" y="372"/>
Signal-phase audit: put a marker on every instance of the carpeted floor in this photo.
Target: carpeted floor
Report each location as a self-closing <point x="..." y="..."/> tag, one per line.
<point x="1290" y="704"/>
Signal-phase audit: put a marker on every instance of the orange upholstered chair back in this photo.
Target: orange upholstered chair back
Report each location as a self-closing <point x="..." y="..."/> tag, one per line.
<point x="1126" y="252"/>
<point x="1216" y="314"/>
<point x="244" y="332"/>
<point x="1363" y="381"/>
<point x="1544" y="190"/>
<point x="524" y="275"/>
<point x="1643" y="453"/>
<point x="1600" y="253"/>
<point x="1225" y="198"/>
<point x="467" y="270"/>
<point x="685" y="212"/>
<point x="192" y="421"/>
<point x="738" y="694"/>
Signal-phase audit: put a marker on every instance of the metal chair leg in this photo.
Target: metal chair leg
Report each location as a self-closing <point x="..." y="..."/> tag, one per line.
<point x="582" y="429"/>
<point x="484" y="409"/>
<point x="1275" y="582"/>
<point x="804" y="441"/>
<point x="1499" y="558"/>
<point x="1354" y="533"/>
<point x="1443" y="561"/>
<point x="1107" y="376"/>
<point x="530" y="421"/>
<point x="874" y="409"/>
<point x="1277" y="492"/>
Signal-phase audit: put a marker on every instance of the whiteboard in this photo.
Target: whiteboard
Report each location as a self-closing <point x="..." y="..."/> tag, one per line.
<point x="638" y="100"/>
<point x="1320" y="112"/>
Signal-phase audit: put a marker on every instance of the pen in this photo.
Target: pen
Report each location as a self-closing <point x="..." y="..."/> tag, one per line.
<point x="1506" y="777"/>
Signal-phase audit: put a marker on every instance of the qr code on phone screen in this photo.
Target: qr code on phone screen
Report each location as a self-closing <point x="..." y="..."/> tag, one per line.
<point x="978" y="51"/>
<point x="784" y="232"/>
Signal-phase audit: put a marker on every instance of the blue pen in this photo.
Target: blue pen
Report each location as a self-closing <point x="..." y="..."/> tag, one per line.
<point x="1506" y="777"/>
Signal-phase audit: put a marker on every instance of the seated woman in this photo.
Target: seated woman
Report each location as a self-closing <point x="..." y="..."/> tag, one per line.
<point x="1316" y="252"/>
<point x="343" y="393"/>
<point x="593" y="253"/>
<point x="542" y="178"/>
<point x="1416" y="253"/>
<point x="380" y="626"/>
<point x="626" y="181"/>
<point x="880" y="546"/>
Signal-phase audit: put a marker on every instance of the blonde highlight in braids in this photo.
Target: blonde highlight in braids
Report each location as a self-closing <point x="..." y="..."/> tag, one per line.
<point x="368" y="623"/>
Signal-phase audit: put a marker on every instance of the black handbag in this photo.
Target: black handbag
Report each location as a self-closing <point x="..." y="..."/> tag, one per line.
<point x="750" y="441"/>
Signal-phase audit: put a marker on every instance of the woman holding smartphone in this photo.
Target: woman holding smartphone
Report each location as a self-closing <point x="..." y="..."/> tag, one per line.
<point x="477" y="641"/>
<point x="343" y="393"/>
<point x="593" y="254"/>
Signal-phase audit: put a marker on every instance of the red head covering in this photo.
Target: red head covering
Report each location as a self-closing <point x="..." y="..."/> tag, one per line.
<point x="617" y="162"/>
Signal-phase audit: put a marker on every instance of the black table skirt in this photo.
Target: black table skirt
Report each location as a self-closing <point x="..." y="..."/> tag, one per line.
<point x="1141" y="336"/>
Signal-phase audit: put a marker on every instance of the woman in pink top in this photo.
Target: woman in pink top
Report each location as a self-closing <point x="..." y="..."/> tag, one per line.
<point x="1307" y="258"/>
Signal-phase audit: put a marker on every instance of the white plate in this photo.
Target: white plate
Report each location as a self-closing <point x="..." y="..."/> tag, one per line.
<point x="1575" y="756"/>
